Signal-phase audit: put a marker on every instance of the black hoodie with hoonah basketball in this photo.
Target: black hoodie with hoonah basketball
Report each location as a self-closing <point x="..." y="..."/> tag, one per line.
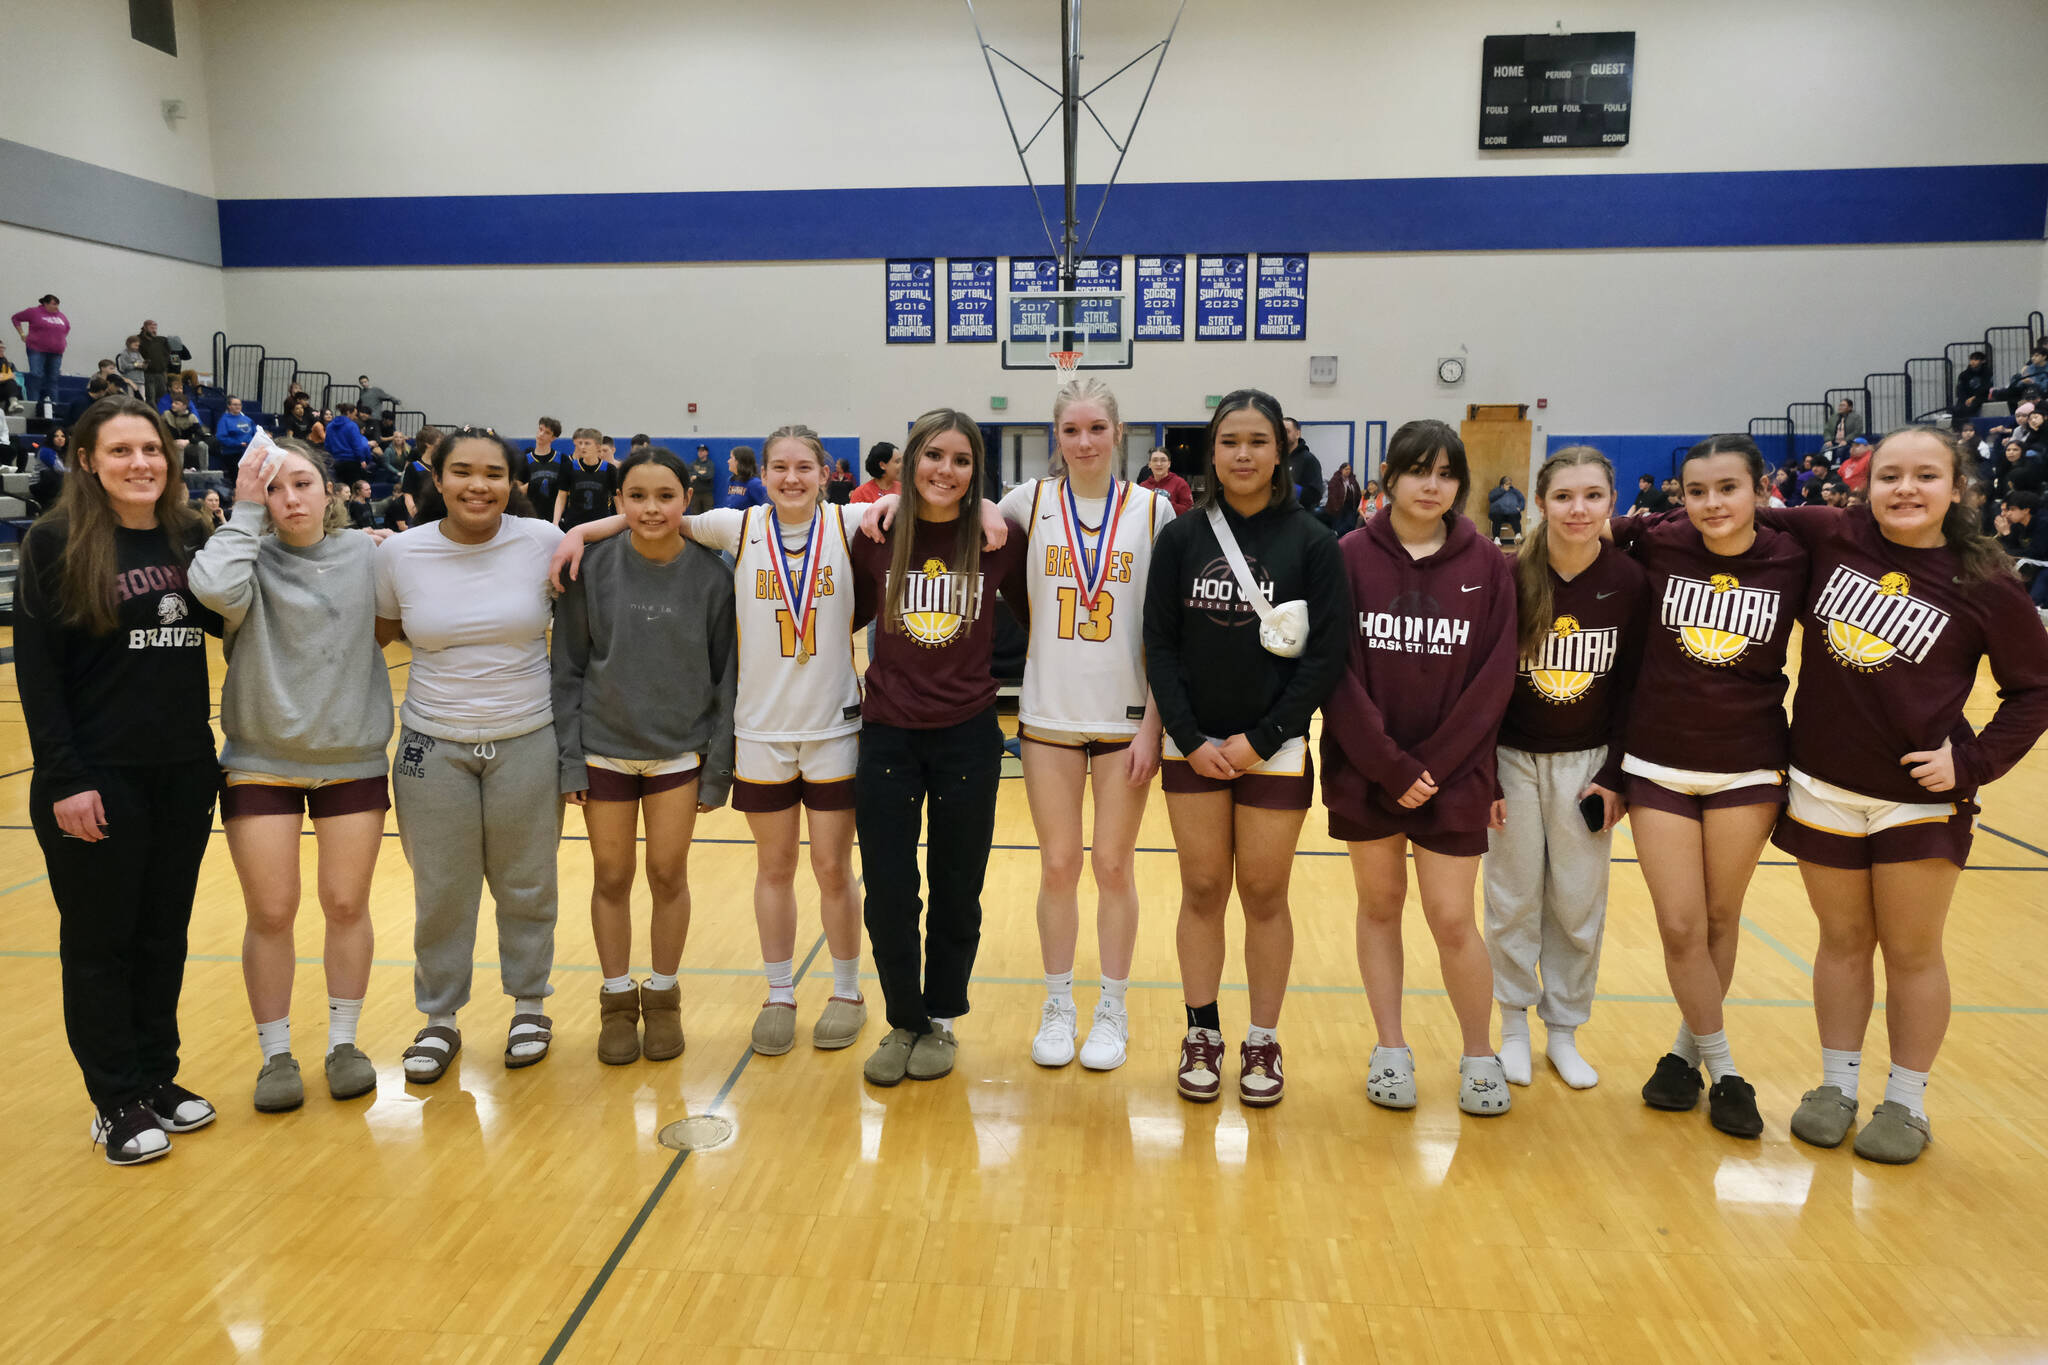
<point x="1209" y="674"/>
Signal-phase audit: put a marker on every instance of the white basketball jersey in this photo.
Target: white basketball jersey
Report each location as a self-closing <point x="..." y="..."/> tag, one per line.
<point x="780" y="698"/>
<point x="1085" y="672"/>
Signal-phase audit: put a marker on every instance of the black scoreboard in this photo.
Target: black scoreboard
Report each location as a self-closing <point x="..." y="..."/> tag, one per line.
<point x="1556" y="90"/>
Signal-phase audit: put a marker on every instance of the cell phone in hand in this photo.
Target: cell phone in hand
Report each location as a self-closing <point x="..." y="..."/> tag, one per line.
<point x="1593" y="811"/>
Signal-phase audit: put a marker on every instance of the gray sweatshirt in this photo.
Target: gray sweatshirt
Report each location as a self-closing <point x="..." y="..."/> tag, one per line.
<point x="646" y="663"/>
<point x="307" y="692"/>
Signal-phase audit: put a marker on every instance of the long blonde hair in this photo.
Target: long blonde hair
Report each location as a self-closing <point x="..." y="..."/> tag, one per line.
<point x="1089" y="389"/>
<point x="1532" y="561"/>
<point x="967" y="528"/>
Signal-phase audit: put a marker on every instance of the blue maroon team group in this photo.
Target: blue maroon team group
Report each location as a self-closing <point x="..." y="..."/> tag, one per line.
<point x="1487" y="720"/>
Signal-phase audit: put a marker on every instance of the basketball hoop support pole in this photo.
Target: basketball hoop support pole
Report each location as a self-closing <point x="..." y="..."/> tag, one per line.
<point x="1070" y="128"/>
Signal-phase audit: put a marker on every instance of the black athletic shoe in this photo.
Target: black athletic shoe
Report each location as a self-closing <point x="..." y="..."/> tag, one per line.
<point x="1675" y="1085"/>
<point x="130" y="1133"/>
<point x="177" y="1109"/>
<point x="1731" y="1107"/>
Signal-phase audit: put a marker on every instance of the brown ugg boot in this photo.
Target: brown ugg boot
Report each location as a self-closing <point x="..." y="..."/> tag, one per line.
<point x="663" y="1013"/>
<point x="618" y="1027"/>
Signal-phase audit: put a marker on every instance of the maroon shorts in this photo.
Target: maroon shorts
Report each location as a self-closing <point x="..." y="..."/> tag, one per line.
<point x="1379" y="824"/>
<point x="765" y="798"/>
<point x="607" y="785"/>
<point x="1641" y="791"/>
<point x="337" y="798"/>
<point x="1265" y="791"/>
<point x="1950" y="839"/>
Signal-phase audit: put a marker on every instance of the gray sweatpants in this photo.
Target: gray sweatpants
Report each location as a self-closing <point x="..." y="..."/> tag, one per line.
<point x="1546" y="887"/>
<point x="470" y="814"/>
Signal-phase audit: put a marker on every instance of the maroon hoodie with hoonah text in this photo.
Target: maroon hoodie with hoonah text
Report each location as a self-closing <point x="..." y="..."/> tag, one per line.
<point x="1431" y="669"/>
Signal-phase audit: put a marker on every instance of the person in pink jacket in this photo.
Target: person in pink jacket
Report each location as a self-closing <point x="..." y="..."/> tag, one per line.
<point x="45" y="330"/>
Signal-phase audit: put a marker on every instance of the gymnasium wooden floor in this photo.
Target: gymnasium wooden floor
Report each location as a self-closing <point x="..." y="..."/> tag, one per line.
<point x="1014" y="1214"/>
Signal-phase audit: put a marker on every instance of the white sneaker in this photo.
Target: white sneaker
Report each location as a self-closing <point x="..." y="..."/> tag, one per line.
<point x="1107" y="1036"/>
<point x="1054" y="1045"/>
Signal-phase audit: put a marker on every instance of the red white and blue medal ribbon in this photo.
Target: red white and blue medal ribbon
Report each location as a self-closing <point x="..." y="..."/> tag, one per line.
<point x="799" y="593"/>
<point x="1091" y="571"/>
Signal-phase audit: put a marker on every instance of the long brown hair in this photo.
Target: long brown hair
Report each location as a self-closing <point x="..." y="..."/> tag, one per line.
<point x="90" y="562"/>
<point x="1532" y="562"/>
<point x="967" y="528"/>
<point x="1981" y="557"/>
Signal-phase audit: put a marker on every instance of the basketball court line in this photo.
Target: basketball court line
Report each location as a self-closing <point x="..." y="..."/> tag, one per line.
<point x="604" y="1274"/>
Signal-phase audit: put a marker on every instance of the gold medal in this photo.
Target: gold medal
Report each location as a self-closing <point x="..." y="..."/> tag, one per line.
<point x="803" y="656"/>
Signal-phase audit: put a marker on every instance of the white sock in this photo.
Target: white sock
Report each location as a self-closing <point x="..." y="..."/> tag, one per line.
<point x="274" y="1037"/>
<point x="1060" y="986"/>
<point x="1514" y="1044"/>
<point x="528" y="1046"/>
<point x="1715" y="1055"/>
<point x="946" y="1024"/>
<point x="1842" y="1070"/>
<point x="426" y="1066"/>
<point x="616" y="985"/>
<point x="1561" y="1046"/>
<point x="656" y="981"/>
<point x="341" y="1021"/>
<point x="781" y="981"/>
<point x="1908" y="1088"/>
<point x="846" y="977"/>
<point x="1687" y="1046"/>
<point x="1113" y="992"/>
<point x="1259" y="1037"/>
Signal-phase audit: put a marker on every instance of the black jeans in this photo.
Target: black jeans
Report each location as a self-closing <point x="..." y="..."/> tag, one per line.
<point x="123" y="906"/>
<point x="957" y="768"/>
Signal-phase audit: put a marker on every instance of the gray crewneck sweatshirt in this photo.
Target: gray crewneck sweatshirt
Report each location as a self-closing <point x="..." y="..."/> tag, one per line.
<point x="307" y="693"/>
<point x="646" y="663"/>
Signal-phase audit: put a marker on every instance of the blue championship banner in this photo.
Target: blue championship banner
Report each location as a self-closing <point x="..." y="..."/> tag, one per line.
<point x="1282" y="310"/>
<point x="1102" y="273"/>
<point x="1162" y="292"/>
<point x="1219" y="298"/>
<point x="1034" y="274"/>
<point x="913" y="300"/>
<point x="971" y="299"/>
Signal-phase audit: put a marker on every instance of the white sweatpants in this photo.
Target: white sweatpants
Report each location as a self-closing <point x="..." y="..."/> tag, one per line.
<point x="1546" y="887"/>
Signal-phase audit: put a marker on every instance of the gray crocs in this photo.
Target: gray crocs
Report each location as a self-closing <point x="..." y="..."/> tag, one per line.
<point x="1895" y="1135"/>
<point x="1390" y="1078"/>
<point x="279" y="1088"/>
<point x="1824" y="1117"/>
<point x="1483" y="1086"/>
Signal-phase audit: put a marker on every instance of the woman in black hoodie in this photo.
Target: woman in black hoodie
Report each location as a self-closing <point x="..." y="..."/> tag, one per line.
<point x="1237" y="774"/>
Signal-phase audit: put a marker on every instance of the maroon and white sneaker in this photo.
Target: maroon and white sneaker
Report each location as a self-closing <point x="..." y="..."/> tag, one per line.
<point x="1259" y="1082"/>
<point x="1201" y="1065"/>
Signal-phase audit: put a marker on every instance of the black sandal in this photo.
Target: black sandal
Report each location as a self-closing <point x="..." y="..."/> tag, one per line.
<point x="437" y="1033"/>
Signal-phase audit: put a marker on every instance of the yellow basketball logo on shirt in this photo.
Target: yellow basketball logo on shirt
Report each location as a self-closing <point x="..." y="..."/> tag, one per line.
<point x="1572" y="658"/>
<point x="1716" y="618"/>
<point x="1872" y="622"/>
<point x="930" y="611"/>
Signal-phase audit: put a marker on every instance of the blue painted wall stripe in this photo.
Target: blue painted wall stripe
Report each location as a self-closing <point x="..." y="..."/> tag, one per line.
<point x="1459" y="213"/>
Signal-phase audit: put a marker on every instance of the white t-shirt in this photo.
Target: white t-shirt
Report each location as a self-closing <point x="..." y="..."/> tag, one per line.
<point x="779" y="699"/>
<point x="1085" y="672"/>
<point x="477" y="619"/>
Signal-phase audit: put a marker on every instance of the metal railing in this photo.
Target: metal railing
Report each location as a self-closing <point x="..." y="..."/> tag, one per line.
<point x="273" y="381"/>
<point x="1773" y="436"/>
<point x="241" y="375"/>
<point x="337" y="394"/>
<point x="1888" y="401"/>
<point x="220" y="355"/>
<point x="1931" y="386"/>
<point x="409" y="421"/>
<point x="2008" y="347"/>
<point x="315" y="383"/>
<point x="1859" y="398"/>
